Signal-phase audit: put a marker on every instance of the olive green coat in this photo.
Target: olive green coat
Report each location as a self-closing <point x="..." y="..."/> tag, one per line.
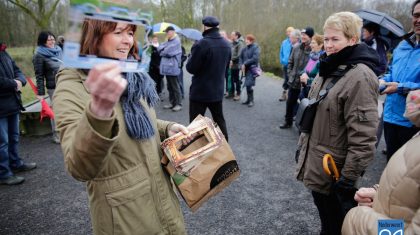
<point x="128" y="191"/>
<point x="345" y="126"/>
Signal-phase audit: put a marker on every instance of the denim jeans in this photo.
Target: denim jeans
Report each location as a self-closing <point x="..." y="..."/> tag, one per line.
<point x="9" y="139"/>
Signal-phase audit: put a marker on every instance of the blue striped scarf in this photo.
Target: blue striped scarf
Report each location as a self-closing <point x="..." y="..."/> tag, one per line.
<point x="140" y="87"/>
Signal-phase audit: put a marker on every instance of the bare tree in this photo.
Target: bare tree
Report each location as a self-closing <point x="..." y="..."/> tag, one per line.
<point x="41" y="16"/>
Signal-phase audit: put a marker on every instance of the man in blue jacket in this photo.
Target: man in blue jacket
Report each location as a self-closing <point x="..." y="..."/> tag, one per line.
<point x="285" y="50"/>
<point x="207" y="64"/>
<point x="170" y="66"/>
<point x="11" y="82"/>
<point x="403" y="76"/>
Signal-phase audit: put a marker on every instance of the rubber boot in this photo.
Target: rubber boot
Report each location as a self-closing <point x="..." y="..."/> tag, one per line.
<point x="247" y="99"/>
<point x="251" y="98"/>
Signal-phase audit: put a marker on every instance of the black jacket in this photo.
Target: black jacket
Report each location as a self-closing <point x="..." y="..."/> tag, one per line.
<point x="45" y="70"/>
<point x="154" y="58"/>
<point x="207" y="64"/>
<point x="10" y="102"/>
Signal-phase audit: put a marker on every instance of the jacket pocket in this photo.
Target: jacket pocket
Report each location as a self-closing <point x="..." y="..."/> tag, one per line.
<point x="366" y="114"/>
<point x="133" y="210"/>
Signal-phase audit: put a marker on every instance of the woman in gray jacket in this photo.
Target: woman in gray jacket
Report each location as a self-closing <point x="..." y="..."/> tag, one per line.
<point x="249" y="60"/>
<point x="47" y="61"/>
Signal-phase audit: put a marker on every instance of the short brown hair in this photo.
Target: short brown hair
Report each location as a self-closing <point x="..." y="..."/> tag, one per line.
<point x="319" y="39"/>
<point x="250" y="37"/>
<point x="93" y="32"/>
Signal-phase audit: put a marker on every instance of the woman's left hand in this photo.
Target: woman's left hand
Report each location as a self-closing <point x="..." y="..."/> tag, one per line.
<point x="176" y="128"/>
<point x="304" y="78"/>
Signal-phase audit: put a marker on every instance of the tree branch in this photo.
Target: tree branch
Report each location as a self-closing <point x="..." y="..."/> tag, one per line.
<point x="25" y="9"/>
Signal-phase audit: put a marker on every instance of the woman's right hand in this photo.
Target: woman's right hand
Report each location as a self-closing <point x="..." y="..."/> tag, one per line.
<point x="304" y="78"/>
<point x="106" y="86"/>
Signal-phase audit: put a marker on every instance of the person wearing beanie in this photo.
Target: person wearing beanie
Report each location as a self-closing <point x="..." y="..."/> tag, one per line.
<point x="207" y="63"/>
<point x="297" y="62"/>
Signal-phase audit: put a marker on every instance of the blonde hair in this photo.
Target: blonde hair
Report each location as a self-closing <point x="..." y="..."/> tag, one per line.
<point x="290" y="29"/>
<point x="347" y="22"/>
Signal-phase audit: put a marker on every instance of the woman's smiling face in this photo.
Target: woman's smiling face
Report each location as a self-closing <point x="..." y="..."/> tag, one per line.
<point x="117" y="44"/>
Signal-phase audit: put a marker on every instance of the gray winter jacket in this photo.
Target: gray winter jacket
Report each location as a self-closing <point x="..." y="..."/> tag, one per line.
<point x="237" y="47"/>
<point x="297" y="62"/>
<point x="170" y="52"/>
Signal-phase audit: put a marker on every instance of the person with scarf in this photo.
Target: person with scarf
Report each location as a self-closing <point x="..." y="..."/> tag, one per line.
<point x="110" y="137"/>
<point x="249" y="59"/>
<point x="47" y="61"/>
<point x="11" y="82"/>
<point x="345" y="122"/>
<point x="312" y="68"/>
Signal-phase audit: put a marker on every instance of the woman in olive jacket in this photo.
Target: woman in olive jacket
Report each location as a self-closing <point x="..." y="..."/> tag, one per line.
<point x="345" y="122"/>
<point x="47" y="61"/>
<point x="110" y="137"/>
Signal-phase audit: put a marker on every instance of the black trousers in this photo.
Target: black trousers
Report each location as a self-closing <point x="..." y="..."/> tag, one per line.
<point x="330" y="213"/>
<point x="396" y="136"/>
<point x="286" y="78"/>
<point x="216" y="110"/>
<point x="155" y="75"/>
<point x="227" y="79"/>
<point x="174" y="90"/>
<point x="235" y="82"/>
<point x="291" y="104"/>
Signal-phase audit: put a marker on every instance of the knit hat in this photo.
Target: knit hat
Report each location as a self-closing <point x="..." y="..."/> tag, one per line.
<point x="308" y="31"/>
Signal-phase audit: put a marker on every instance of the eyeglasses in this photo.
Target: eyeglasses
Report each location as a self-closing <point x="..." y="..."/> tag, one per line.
<point x="51" y="39"/>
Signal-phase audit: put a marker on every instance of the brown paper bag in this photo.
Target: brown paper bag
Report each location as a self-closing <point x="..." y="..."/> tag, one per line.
<point x="215" y="171"/>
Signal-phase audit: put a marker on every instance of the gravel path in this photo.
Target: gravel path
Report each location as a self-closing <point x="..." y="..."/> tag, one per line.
<point x="266" y="199"/>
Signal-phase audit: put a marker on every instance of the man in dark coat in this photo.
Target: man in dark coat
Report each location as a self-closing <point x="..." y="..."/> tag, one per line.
<point x="11" y="82"/>
<point x="207" y="64"/>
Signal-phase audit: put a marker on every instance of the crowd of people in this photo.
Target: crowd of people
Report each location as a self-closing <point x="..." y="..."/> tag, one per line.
<point x="342" y="73"/>
<point x="110" y="135"/>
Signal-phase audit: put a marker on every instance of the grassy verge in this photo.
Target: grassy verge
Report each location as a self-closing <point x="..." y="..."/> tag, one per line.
<point x="23" y="58"/>
<point x="272" y="75"/>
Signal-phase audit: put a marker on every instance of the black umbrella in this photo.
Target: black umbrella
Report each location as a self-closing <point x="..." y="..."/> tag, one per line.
<point x="389" y="26"/>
